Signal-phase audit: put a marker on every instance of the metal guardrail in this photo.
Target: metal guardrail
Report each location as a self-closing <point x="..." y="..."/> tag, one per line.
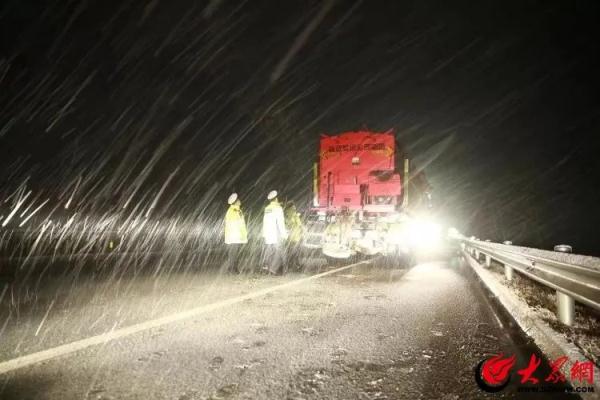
<point x="572" y="282"/>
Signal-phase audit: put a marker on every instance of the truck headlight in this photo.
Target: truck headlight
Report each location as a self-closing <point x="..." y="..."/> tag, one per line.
<point x="424" y="234"/>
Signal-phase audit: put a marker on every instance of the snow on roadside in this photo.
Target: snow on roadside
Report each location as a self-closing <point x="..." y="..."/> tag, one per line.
<point x="585" y="333"/>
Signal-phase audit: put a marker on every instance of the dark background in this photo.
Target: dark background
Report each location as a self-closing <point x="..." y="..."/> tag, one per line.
<point x="110" y="101"/>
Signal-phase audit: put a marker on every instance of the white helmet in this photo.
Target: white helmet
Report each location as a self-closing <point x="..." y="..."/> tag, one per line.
<point x="232" y="198"/>
<point x="272" y="194"/>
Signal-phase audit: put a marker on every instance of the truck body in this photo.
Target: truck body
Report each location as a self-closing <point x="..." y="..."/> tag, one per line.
<point x="357" y="171"/>
<point x="358" y="196"/>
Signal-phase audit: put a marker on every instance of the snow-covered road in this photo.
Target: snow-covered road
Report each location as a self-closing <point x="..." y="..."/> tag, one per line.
<point x="364" y="333"/>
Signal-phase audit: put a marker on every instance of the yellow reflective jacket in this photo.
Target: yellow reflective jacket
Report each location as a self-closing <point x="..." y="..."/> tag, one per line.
<point x="294" y="224"/>
<point x="235" y="226"/>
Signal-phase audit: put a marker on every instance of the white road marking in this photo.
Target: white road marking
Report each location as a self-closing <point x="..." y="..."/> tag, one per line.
<point x="62" y="350"/>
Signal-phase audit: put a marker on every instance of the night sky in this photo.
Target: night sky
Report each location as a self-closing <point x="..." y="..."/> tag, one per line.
<point x="121" y="101"/>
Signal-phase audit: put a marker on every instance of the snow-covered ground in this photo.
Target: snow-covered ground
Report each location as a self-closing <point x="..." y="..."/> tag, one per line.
<point x="585" y="332"/>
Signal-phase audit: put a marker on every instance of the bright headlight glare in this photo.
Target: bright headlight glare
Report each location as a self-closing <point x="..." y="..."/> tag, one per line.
<point x="424" y="234"/>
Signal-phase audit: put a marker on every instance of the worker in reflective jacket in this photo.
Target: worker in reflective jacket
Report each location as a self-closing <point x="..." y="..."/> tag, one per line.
<point x="274" y="233"/>
<point x="236" y="234"/>
<point x="296" y="233"/>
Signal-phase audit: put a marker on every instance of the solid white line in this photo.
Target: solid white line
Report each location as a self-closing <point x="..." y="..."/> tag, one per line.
<point x="77" y="345"/>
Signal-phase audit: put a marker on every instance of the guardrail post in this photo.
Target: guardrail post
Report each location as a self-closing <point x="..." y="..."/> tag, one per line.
<point x="566" y="308"/>
<point x="488" y="260"/>
<point x="477" y="254"/>
<point x="508" y="272"/>
<point x="565" y="304"/>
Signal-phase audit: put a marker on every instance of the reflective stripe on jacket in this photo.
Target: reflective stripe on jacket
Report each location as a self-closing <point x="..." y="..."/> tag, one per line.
<point x="235" y="226"/>
<point x="274" y="224"/>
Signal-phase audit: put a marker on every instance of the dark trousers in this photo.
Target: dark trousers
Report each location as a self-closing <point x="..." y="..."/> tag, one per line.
<point x="293" y="255"/>
<point x="233" y="256"/>
<point x="274" y="258"/>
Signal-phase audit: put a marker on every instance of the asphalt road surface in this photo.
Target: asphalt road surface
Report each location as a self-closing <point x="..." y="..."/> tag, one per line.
<point x="363" y="333"/>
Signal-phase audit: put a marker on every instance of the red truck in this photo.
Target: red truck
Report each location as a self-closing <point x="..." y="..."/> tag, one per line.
<point x="357" y="171"/>
<point x="359" y="197"/>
